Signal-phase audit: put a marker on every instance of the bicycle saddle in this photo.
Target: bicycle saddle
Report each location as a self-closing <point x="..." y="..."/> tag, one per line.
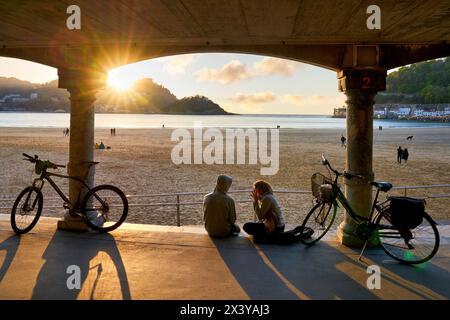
<point x="383" y="186"/>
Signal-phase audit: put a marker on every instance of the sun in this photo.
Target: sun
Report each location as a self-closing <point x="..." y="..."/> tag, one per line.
<point x="120" y="83"/>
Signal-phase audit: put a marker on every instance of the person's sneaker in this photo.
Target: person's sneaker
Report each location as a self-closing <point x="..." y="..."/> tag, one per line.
<point x="307" y="233"/>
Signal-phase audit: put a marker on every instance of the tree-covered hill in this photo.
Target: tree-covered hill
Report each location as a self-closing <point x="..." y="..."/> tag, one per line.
<point x="424" y="82"/>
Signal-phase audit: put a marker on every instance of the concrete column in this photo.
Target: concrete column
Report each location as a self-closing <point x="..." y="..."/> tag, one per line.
<point x="360" y="87"/>
<point x="82" y="86"/>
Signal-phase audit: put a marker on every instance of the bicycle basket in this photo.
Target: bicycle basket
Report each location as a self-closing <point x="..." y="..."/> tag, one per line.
<point x="318" y="181"/>
<point x="406" y="213"/>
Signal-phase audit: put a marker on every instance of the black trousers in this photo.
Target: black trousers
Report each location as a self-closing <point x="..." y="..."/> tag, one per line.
<point x="258" y="230"/>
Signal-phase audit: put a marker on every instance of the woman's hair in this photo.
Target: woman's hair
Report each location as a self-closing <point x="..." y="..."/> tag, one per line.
<point x="263" y="186"/>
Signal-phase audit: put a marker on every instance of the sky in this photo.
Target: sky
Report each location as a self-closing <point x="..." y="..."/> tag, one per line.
<point x="239" y="83"/>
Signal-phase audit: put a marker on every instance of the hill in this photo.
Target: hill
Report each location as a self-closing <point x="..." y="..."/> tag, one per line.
<point x="425" y="82"/>
<point x="145" y="96"/>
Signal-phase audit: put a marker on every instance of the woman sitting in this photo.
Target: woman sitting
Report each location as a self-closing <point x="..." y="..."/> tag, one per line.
<point x="268" y="211"/>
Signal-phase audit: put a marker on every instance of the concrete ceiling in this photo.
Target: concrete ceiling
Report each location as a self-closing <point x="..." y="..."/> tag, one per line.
<point x="161" y="27"/>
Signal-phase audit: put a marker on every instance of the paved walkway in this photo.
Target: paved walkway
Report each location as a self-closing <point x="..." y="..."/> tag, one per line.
<point x="155" y="262"/>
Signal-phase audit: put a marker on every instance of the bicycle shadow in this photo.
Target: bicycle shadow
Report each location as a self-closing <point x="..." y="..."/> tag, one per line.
<point x="428" y="280"/>
<point x="10" y="245"/>
<point x="321" y="272"/>
<point x="102" y="272"/>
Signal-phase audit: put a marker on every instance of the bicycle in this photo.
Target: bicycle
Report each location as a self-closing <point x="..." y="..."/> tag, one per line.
<point x="103" y="208"/>
<point x="413" y="240"/>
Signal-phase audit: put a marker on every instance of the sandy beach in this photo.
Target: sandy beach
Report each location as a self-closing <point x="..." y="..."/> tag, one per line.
<point x="140" y="164"/>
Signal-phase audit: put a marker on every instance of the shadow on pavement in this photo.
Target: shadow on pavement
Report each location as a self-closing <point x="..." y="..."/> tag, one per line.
<point x="10" y="245"/>
<point x="250" y="271"/>
<point x="319" y="272"/>
<point x="427" y="280"/>
<point x="99" y="261"/>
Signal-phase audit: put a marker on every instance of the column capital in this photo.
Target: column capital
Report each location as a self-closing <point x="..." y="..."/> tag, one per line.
<point x="81" y="81"/>
<point x="368" y="80"/>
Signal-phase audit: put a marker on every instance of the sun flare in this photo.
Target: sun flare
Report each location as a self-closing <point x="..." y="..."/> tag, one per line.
<point x="120" y="83"/>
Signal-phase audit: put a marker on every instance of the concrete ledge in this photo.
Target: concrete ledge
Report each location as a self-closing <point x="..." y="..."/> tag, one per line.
<point x="165" y="262"/>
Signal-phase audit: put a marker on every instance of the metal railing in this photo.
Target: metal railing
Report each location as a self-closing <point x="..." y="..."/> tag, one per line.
<point x="178" y="203"/>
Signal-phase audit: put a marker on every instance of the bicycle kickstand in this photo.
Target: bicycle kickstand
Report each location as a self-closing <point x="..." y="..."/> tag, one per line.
<point x="362" y="251"/>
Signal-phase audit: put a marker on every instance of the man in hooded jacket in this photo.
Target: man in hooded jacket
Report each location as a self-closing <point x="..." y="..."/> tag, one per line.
<point x="219" y="212"/>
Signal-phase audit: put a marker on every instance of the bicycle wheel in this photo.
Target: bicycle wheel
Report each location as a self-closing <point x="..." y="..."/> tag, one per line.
<point x="319" y="219"/>
<point x="105" y="208"/>
<point x="409" y="246"/>
<point x="26" y="210"/>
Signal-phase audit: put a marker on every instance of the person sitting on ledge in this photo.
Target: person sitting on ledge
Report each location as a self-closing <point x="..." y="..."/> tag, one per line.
<point x="219" y="211"/>
<point x="271" y="218"/>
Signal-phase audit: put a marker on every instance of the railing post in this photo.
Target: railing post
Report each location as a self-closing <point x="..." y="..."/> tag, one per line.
<point x="178" y="211"/>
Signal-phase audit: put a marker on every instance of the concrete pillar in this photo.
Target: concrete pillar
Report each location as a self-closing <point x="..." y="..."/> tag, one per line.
<point x="360" y="87"/>
<point x="82" y="87"/>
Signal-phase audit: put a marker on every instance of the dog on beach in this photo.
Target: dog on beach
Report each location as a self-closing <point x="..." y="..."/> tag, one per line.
<point x="409" y="138"/>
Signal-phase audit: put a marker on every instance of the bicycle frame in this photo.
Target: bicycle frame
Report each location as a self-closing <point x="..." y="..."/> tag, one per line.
<point x="340" y="196"/>
<point x="46" y="176"/>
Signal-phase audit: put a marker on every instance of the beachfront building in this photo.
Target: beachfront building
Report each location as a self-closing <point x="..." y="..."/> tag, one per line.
<point x="354" y="42"/>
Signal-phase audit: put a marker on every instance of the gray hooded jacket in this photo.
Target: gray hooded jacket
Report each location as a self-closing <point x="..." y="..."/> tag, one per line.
<point x="219" y="212"/>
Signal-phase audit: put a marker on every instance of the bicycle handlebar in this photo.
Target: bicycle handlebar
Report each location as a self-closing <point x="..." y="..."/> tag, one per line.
<point x="36" y="158"/>
<point x="345" y="174"/>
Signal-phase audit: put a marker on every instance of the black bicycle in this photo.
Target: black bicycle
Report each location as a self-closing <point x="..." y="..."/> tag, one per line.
<point x="103" y="208"/>
<point x="400" y="224"/>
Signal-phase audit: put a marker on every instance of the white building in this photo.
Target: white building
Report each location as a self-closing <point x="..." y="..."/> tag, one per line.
<point x="404" y="111"/>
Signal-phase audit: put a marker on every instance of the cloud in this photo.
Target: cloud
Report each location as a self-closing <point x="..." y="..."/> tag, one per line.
<point x="275" y="66"/>
<point x="293" y="99"/>
<point x="254" y="98"/>
<point x="231" y="72"/>
<point x="307" y="101"/>
<point x="177" y="64"/>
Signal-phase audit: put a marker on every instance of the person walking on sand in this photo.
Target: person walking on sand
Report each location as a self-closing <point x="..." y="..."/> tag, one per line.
<point x="219" y="211"/>
<point x="268" y="210"/>
<point x="405" y="155"/>
<point x="399" y="154"/>
<point x="343" y="140"/>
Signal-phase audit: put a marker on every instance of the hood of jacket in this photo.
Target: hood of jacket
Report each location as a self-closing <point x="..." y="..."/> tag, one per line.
<point x="224" y="183"/>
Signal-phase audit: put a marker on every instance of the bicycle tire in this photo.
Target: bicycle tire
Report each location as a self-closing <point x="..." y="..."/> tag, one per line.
<point x="324" y="222"/>
<point x="91" y="217"/>
<point x="399" y="251"/>
<point x="15" y="224"/>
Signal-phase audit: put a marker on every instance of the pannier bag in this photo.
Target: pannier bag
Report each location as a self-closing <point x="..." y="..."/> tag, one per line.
<point x="406" y="213"/>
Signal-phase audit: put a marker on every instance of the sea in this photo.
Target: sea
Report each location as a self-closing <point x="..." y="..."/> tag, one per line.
<point x="143" y="121"/>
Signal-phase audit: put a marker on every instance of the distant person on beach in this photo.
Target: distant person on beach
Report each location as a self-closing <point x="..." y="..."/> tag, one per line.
<point x="343" y="140"/>
<point x="97" y="145"/>
<point x="405" y="155"/>
<point x="102" y="146"/>
<point x="380" y="128"/>
<point x="399" y="154"/>
<point x="219" y="211"/>
<point x="268" y="211"/>
<point x="163" y="126"/>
